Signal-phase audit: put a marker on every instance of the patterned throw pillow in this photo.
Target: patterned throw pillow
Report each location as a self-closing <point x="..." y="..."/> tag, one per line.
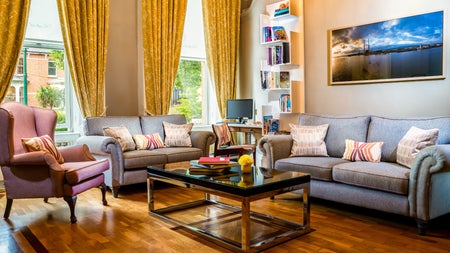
<point x="148" y="141"/>
<point x="309" y="140"/>
<point x="177" y="135"/>
<point x="362" y="151"/>
<point x="415" y="140"/>
<point x="122" y="135"/>
<point x="42" y="143"/>
<point x="223" y="134"/>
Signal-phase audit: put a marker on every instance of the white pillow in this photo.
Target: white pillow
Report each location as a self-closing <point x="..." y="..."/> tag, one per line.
<point x="309" y="140"/>
<point x="415" y="140"/>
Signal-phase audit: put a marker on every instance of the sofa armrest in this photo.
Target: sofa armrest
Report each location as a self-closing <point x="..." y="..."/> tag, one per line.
<point x="203" y="140"/>
<point x="428" y="183"/>
<point x="98" y="144"/>
<point x="275" y="147"/>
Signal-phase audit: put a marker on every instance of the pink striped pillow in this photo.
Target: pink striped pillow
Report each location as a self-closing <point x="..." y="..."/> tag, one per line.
<point x="309" y="140"/>
<point x="42" y="143"/>
<point x="148" y="141"/>
<point x="362" y="151"/>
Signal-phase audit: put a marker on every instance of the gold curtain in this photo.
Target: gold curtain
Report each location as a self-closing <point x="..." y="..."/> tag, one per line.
<point x="162" y="34"/>
<point x="84" y="27"/>
<point x="13" y="20"/>
<point x="222" y="27"/>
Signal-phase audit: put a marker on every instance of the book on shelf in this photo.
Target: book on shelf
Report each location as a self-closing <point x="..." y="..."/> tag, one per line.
<point x="275" y="79"/>
<point x="267" y="34"/>
<point x="273" y="125"/>
<point x="278" y="54"/>
<point x="278" y="33"/>
<point x="266" y="121"/>
<point x="285" y="102"/>
<point x="216" y="160"/>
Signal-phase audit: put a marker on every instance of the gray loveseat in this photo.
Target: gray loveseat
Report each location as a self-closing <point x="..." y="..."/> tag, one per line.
<point x="129" y="167"/>
<point x="421" y="192"/>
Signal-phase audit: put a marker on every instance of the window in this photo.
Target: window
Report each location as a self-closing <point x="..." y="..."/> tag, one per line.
<point x="19" y="70"/>
<point x="193" y="94"/>
<point x="51" y="68"/>
<point x="46" y="70"/>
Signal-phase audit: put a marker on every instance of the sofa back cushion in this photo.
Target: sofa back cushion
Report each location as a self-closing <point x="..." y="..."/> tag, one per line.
<point x="391" y="130"/>
<point x="154" y="124"/>
<point x="339" y="129"/>
<point x="95" y="125"/>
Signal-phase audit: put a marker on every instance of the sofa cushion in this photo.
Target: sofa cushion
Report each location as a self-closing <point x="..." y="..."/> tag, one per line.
<point x="391" y="130"/>
<point x="95" y="125"/>
<point x="177" y="135"/>
<point x="390" y="177"/>
<point x="154" y="124"/>
<point x="413" y="142"/>
<point x="148" y="141"/>
<point x="318" y="167"/>
<point x="308" y="140"/>
<point x="122" y="135"/>
<point x="179" y="154"/>
<point x="362" y="151"/>
<point x="339" y="129"/>
<point x="142" y="158"/>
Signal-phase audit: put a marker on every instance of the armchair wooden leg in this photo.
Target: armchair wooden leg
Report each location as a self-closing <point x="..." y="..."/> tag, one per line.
<point x="71" y="200"/>
<point x="103" y="188"/>
<point x="8" y="208"/>
<point x="46" y="200"/>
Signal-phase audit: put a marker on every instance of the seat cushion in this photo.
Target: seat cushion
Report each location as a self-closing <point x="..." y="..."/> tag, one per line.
<point x="318" y="167"/>
<point x="179" y="154"/>
<point x="80" y="171"/>
<point x="142" y="158"/>
<point x="384" y="176"/>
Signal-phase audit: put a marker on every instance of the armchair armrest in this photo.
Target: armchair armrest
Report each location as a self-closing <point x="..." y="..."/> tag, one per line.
<point x="29" y="158"/>
<point x="203" y="140"/>
<point x="275" y="147"/>
<point x="76" y="153"/>
<point x="428" y="183"/>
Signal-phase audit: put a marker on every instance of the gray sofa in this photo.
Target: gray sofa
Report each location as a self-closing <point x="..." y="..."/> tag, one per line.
<point x="129" y="167"/>
<point x="421" y="192"/>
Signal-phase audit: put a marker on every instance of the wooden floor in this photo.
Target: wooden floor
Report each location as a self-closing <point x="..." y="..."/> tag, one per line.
<point x="125" y="226"/>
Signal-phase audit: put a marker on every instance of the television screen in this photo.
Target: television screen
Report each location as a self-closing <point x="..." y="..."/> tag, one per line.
<point x="239" y="109"/>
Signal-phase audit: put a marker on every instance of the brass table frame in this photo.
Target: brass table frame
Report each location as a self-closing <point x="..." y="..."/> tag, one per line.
<point x="245" y="245"/>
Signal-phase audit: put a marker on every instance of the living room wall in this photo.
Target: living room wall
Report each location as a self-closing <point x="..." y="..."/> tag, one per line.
<point x="418" y="98"/>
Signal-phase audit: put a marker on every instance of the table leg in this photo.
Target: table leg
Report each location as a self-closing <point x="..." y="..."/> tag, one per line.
<point x="245" y="224"/>
<point x="151" y="199"/>
<point x="306" y="208"/>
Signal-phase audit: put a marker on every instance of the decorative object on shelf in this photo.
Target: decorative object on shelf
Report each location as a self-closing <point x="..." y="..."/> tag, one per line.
<point x="246" y="162"/>
<point x="279" y="33"/>
<point x="380" y="52"/>
<point x="283" y="9"/>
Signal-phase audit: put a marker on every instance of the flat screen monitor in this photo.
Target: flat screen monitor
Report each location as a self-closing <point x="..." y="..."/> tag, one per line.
<point x="240" y="109"/>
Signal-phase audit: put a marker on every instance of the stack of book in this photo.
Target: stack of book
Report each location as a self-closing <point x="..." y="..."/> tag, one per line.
<point x="211" y="165"/>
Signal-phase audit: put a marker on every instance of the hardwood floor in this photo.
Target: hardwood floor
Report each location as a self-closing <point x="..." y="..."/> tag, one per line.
<point x="125" y="226"/>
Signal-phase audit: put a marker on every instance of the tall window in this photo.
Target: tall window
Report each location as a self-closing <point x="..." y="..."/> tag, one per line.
<point x="42" y="70"/>
<point x="193" y="94"/>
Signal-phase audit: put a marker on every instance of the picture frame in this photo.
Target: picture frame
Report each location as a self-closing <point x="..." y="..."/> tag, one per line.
<point x="403" y="49"/>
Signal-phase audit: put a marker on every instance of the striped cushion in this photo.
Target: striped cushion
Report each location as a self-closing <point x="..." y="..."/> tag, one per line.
<point x="223" y="134"/>
<point x="122" y="135"/>
<point x="148" y="141"/>
<point x="309" y="140"/>
<point x="362" y="151"/>
<point x="42" y="143"/>
<point x="415" y="140"/>
<point x="177" y="135"/>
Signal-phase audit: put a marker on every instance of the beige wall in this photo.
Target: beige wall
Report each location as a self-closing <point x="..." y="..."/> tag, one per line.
<point x="393" y="99"/>
<point x="122" y="87"/>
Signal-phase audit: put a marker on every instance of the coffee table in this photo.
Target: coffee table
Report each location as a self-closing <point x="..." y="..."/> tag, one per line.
<point x="245" y="188"/>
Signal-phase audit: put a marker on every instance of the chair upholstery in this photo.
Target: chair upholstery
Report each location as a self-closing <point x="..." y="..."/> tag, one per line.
<point x="38" y="174"/>
<point x="226" y="146"/>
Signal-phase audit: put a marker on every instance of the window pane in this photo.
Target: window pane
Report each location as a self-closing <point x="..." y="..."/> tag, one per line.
<point x="51" y="68"/>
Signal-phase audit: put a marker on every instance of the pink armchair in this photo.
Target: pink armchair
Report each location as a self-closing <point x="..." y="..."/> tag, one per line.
<point x="39" y="174"/>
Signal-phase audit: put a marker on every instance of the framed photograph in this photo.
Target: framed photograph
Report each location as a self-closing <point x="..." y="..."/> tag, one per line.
<point x="402" y="49"/>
